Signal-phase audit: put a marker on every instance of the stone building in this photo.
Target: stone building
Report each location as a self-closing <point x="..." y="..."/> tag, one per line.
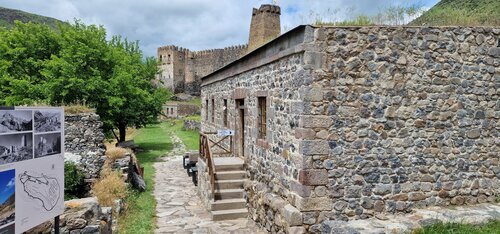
<point x="181" y="69"/>
<point x="343" y="123"/>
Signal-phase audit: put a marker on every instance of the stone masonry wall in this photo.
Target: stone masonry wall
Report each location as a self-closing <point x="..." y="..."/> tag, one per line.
<point x="401" y="118"/>
<point x="84" y="142"/>
<point x="365" y="121"/>
<point x="269" y="161"/>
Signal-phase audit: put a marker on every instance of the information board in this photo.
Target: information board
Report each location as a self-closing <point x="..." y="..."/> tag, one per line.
<point x="223" y="133"/>
<point x="31" y="167"/>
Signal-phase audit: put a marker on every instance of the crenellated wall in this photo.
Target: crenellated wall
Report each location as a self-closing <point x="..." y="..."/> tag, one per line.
<point x="182" y="69"/>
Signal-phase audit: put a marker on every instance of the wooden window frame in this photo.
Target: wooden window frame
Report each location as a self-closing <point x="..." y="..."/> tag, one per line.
<point x="206" y="109"/>
<point x="262" y="117"/>
<point x="213" y="110"/>
<point x="225" y="113"/>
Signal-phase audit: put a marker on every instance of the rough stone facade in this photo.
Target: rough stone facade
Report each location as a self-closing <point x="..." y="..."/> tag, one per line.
<point x="364" y="121"/>
<point x="84" y="143"/>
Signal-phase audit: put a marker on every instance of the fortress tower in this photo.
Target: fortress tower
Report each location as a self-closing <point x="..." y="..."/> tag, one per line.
<point x="181" y="70"/>
<point x="265" y="25"/>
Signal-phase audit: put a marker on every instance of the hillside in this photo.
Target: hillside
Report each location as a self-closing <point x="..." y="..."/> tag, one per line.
<point x="8" y="16"/>
<point x="461" y="12"/>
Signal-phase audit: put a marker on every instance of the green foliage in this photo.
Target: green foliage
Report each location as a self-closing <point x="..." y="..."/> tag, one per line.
<point x="9" y="16"/>
<point x="77" y="65"/>
<point x="461" y="12"/>
<point x="492" y="227"/>
<point x="74" y="181"/>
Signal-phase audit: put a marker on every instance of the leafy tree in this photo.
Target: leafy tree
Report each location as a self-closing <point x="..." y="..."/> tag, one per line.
<point x="77" y="65"/>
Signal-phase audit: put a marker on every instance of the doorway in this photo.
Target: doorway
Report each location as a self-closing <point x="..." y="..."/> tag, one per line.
<point x="240" y="108"/>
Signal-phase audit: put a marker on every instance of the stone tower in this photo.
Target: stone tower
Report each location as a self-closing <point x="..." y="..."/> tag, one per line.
<point x="265" y="25"/>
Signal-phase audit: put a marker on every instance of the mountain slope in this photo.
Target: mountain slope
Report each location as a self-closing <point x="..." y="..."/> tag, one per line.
<point x="461" y="12"/>
<point x="8" y="16"/>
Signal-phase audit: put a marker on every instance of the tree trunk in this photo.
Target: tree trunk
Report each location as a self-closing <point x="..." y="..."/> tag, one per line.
<point x="122" y="128"/>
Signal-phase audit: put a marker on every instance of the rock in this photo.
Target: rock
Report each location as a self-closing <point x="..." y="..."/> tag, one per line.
<point x="137" y="182"/>
<point x="416" y="196"/>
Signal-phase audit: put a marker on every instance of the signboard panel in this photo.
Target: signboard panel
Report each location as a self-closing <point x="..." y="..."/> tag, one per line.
<point x="223" y="133"/>
<point x="31" y="167"/>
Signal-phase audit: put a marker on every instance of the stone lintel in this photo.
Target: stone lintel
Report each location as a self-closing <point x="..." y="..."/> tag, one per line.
<point x="239" y="93"/>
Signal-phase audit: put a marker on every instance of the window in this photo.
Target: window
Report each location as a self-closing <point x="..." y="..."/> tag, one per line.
<point x="206" y="110"/>
<point x="213" y="110"/>
<point x="225" y="113"/>
<point x="262" y="117"/>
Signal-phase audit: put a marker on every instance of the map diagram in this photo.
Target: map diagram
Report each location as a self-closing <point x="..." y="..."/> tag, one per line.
<point x="41" y="187"/>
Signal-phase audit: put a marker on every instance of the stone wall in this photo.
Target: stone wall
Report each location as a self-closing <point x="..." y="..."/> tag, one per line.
<point x="84" y="143"/>
<point x="365" y="120"/>
<point x="182" y="69"/>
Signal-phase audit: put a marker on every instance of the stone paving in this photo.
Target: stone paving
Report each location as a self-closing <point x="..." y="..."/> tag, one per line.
<point x="179" y="209"/>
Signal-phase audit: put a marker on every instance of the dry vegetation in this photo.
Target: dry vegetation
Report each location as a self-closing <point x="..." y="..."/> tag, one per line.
<point x="77" y="109"/>
<point x="116" y="153"/>
<point x="109" y="188"/>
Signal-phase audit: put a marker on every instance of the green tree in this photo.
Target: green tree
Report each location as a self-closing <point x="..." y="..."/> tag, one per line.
<point x="77" y="65"/>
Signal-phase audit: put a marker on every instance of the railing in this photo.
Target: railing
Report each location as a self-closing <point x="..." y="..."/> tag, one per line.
<point x="207" y="154"/>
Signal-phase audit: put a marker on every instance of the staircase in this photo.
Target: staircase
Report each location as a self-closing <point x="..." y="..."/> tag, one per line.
<point x="229" y="202"/>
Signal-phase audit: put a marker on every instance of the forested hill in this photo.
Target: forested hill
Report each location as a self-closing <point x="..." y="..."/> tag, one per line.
<point x="461" y="12"/>
<point x="9" y="16"/>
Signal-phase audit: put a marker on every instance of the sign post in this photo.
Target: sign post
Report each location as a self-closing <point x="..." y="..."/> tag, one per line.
<point x="31" y="167"/>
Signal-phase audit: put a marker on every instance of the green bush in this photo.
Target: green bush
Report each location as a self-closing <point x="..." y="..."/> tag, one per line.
<point x="74" y="182"/>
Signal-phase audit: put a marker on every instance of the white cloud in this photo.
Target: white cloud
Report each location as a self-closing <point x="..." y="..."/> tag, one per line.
<point x="11" y="183"/>
<point x="194" y="24"/>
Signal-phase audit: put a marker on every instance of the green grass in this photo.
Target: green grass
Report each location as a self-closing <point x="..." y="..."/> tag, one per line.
<point x="461" y="12"/>
<point x="492" y="227"/>
<point x="141" y="210"/>
<point x="190" y="138"/>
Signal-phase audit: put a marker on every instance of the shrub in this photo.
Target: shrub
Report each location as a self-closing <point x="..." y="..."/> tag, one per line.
<point x="74" y="182"/>
<point x="109" y="188"/>
<point x="116" y="153"/>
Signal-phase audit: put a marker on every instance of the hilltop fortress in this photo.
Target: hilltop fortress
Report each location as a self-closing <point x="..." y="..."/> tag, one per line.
<point x="181" y="70"/>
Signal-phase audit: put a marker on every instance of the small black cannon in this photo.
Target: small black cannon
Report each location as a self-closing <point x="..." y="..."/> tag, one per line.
<point x="189" y="163"/>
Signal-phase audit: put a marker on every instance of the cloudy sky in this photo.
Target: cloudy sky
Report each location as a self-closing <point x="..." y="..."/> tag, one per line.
<point x="195" y="24"/>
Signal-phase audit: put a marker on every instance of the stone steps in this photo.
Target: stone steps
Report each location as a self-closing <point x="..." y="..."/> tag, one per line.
<point x="229" y="214"/>
<point x="228" y="194"/>
<point x="230" y="175"/>
<point x="228" y="184"/>
<point x="229" y="202"/>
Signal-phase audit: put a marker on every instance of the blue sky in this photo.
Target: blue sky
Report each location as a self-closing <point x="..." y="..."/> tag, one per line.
<point x="7" y="185"/>
<point x="195" y="24"/>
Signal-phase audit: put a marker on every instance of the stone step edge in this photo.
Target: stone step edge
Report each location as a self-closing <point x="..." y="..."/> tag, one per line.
<point x="228" y="201"/>
<point x="233" y="211"/>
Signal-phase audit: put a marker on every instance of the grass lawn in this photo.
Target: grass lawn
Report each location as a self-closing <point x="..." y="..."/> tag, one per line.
<point x="140" y="213"/>
<point x="190" y="138"/>
<point x="493" y="227"/>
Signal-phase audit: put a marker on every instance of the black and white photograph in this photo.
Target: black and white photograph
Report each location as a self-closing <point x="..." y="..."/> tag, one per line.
<point x="47" y="144"/>
<point x="16" y="147"/>
<point x="15" y="121"/>
<point x="47" y="120"/>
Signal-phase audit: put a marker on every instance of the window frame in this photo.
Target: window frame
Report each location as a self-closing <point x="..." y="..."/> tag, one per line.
<point x="262" y="114"/>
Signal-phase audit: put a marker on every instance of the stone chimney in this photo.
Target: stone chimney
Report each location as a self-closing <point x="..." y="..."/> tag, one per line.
<point x="265" y="26"/>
